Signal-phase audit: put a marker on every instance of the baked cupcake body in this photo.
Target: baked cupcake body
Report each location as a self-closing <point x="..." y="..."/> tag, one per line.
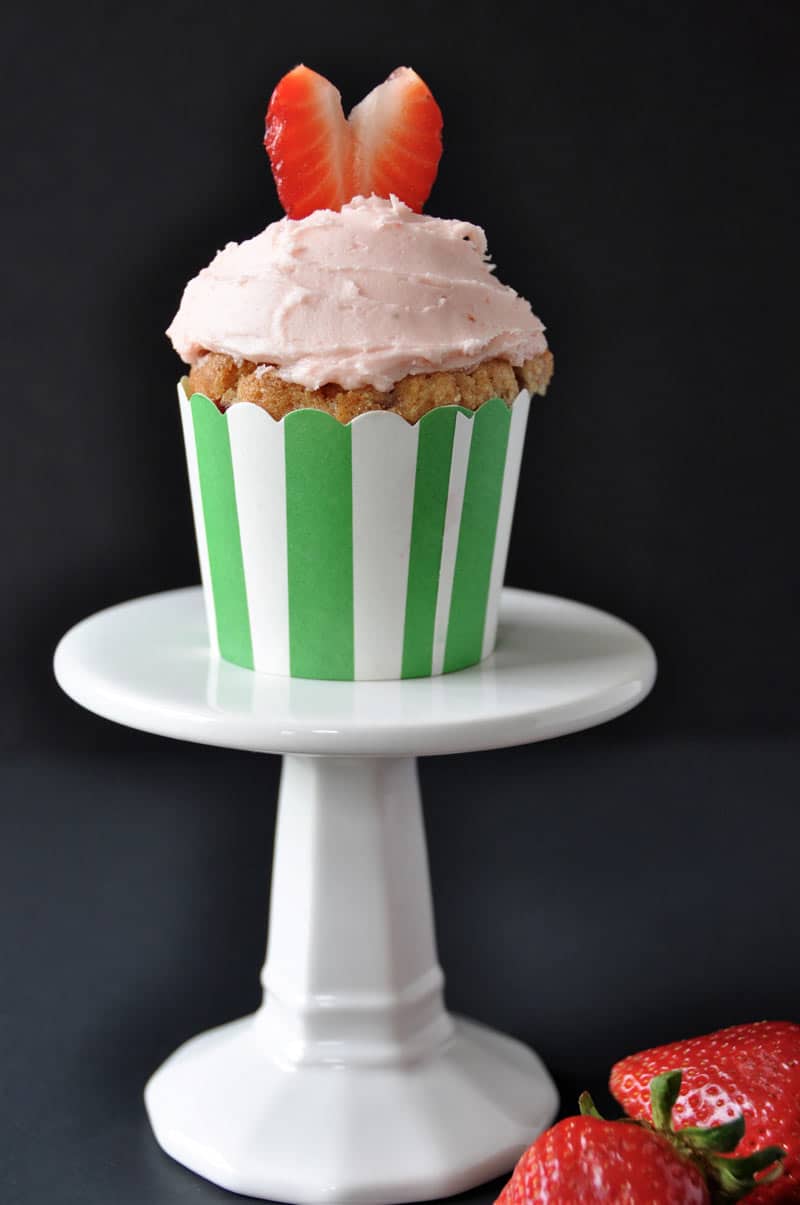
<point x="227" y="381"/>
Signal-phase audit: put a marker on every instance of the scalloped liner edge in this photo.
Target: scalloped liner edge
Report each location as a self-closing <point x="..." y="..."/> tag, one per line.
<point x="370" y="550"/>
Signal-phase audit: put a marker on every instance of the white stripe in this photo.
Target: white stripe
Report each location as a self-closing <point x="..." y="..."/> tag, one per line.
<point x="516" y="442"/>
<point x="462" y="438"/>
<point x="384" y="452"/>
<point x="259" y="476"/>
<point x="199" y="521"/>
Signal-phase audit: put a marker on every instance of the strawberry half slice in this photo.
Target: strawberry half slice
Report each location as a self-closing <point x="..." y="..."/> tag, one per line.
<point x="309" y="144"/>
<point x="391" y="143"/>
<point x="397" y="130"/>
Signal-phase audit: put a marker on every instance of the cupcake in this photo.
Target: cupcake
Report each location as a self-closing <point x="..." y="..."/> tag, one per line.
<point x="355" y="407"/>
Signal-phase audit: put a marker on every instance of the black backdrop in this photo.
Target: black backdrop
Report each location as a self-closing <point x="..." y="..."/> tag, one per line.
<point x="635" y="167"/>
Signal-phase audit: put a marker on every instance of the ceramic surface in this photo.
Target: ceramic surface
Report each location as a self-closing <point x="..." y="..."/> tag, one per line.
<point x="558" y="667"/>
<point x="352" y="1083"/>
<point x="362" y="1137"/>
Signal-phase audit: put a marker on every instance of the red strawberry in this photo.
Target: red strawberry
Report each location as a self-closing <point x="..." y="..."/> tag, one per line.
<point x="398" y="139"/>
<point x="583" y="1159"/>
<point x="391" y="144"/>
<point x="586" y="1159"/>
<point x="749" y="1069"/>
<point x="309" y="144"/>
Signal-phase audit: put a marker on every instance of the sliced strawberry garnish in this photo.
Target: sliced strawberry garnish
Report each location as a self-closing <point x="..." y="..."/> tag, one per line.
<point x="391" y="144"/>
<point x="397" y="130"/>
<point x="309" y="144"/>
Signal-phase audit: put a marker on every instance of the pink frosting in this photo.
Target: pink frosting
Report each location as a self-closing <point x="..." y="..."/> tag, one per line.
<point x="360" y="297"/>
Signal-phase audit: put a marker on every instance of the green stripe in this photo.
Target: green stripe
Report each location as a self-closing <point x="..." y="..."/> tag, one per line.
<point x="221" y="520"/>
<point x="434" y="454"/>
<point x="319" y="522"/>
<point x="482" y="491"/>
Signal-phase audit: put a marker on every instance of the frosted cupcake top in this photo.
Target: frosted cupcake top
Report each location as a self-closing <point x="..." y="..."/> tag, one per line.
<point x="363" y="296"/>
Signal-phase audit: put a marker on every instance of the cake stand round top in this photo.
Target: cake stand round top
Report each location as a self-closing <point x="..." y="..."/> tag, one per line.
<point x="559" y="666"/>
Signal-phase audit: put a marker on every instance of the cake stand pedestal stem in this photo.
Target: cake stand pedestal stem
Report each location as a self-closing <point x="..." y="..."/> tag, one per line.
<point x="351" y="975"/>
<point x="351" y="1083"/>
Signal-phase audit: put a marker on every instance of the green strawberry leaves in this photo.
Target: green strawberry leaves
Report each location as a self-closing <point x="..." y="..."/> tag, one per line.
<point x="664" y="1092"/>
<point x="723" y="1138"/>
<point x="709" y="1147"/>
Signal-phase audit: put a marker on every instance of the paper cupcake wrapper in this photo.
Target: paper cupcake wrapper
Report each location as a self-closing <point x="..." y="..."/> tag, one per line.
<point x="366" y="551"/>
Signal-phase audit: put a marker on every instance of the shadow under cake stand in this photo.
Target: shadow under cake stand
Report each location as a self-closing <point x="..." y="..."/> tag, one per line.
<point x="352" y="1083"/>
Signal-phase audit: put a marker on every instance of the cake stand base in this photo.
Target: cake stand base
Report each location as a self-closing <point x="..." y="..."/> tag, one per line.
<point x="308" y="1134"/>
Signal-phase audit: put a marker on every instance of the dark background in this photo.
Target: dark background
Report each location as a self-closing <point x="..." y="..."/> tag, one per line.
<point x="635" y="167"/>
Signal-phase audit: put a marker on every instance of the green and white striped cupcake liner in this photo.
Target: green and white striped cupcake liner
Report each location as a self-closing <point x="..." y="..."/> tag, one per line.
<point x="373" y="550"/>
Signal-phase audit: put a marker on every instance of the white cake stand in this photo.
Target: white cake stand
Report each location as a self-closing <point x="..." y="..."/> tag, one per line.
<point x="351" y="1083"/>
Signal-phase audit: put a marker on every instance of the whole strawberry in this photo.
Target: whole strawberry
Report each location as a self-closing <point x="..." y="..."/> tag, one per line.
<point x="749" y="1069"/>
<point x="596" y="1162"/>
<point x="585" y="1159"/>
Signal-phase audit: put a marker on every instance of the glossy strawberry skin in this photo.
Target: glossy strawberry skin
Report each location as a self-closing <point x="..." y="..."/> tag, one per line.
<point x="397" y="134"/>
<point x="749" y="1069"/>
<point x="390" y="145"/>
<point x="309" y="144"/>
<point x="595" y="1162"/>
